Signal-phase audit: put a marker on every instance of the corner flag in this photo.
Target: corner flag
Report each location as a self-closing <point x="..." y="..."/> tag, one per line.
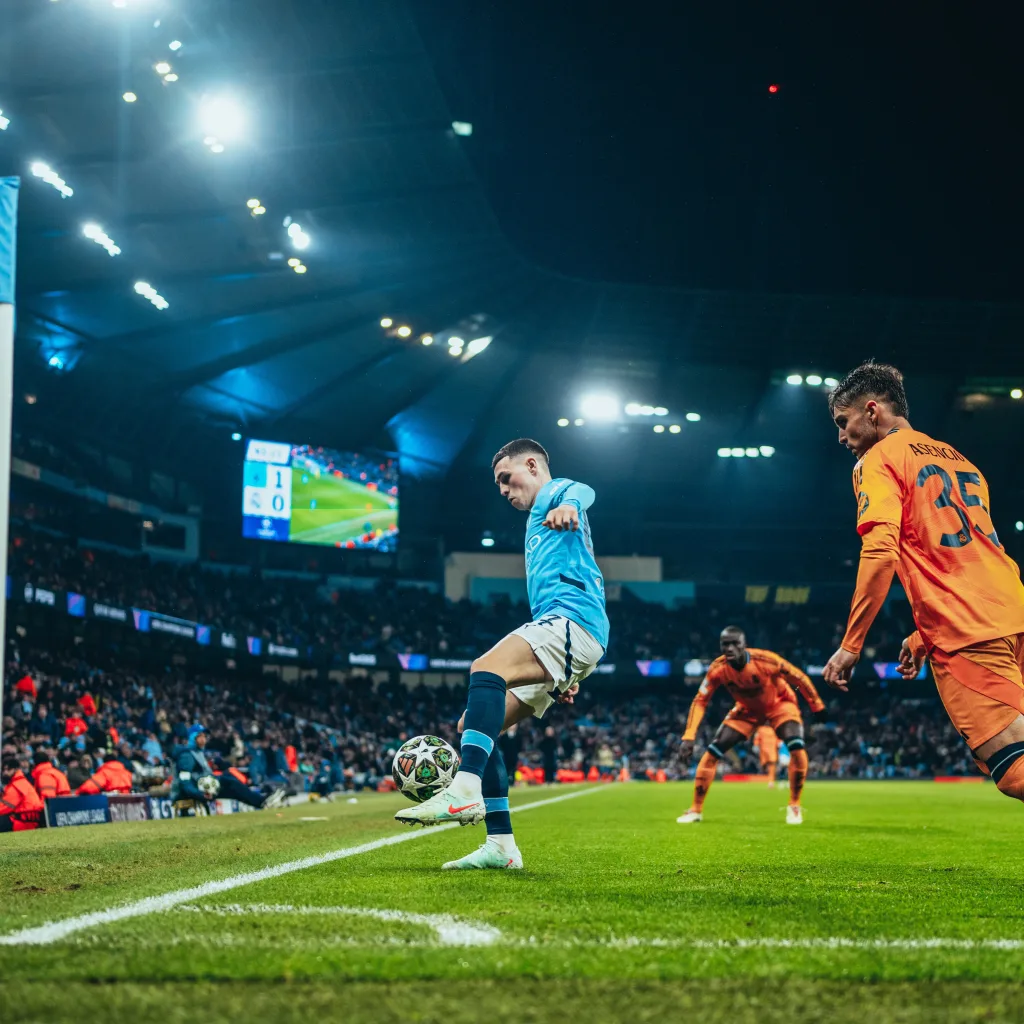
<point x="8" y="233"/>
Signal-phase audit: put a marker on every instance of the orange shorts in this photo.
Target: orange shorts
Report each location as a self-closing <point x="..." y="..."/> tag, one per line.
<point x="745" y="721"/>
<point x="981" y="686"/>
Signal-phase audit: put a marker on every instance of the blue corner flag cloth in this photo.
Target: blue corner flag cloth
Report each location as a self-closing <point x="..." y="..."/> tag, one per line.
<point x="8" y="233"/>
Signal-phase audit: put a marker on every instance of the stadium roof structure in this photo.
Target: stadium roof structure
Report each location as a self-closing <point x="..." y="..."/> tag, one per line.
<point x="330" y="113"/>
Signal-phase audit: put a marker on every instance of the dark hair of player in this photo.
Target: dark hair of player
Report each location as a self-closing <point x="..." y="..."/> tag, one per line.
<point x="521" y="446"/>
<point x="871" y="380"/>
<point x="734" y="630"/>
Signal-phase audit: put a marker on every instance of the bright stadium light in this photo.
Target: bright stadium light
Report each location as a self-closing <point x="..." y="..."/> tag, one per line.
<point x="236" y="436"/>
<point x="217" y="147"/>
<point x="252" y="203"/>
<point x="660" y="410"/>
<point x="725" y="453"/>
<point x="455" y="342"/>
<point x="172" y="77"/>
<point x="454" y="352"/>
<point x="831" y="382"/>
<point x="129" y="97"/>
<point x="404" y="331"/>
<point x="579" y="422"/>
<point x="174" y="44"/>
<point x="693" y="417"/>
<point x="633" y="409"/>
<point x="463" y="128"/>
<point x="147" y="291"/>
<point x="161" y="67"/>
<point x="674" y="429"/>
<point x="487" y="541"/>
<point x="221" y="118"/>
<point x="794" y="378"/>
<point x="4" y="122"/>
<point x="294" y="262"/>
<point x="813" y="379"/>
<point x="51" y="177"/>
<point x="767" y="451"/>
<point x="301" y="268"/>
<point x="1016" y="393"/>
<point x="96" y="234"/>
<point x="299" y="239"/>
<point x="55" y="362"/>
<point x="600" y="407"/>
<point x="427" y="339"/>
<point x="385" y="321"/>
<point x="563" y="422"/>
<point x="752" y="453"/>
<point x="738" y="453"/>
<point x="659" y="428"/>
<point x="477" y="345"/>
<point x="1019" y="526"/>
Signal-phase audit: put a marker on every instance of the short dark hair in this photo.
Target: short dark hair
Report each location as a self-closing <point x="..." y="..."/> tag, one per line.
<point x="734" y="629"/>
<point x="521" y="446"/>
<point x="11" y="763"/>
<point x="41" y="757"/>
<point x="871" y="379"/>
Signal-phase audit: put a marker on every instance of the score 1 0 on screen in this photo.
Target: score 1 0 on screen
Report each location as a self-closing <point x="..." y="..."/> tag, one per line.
<point x="315" y="495"/>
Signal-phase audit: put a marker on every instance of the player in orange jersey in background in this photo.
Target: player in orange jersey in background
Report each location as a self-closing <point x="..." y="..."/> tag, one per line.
<point x="923" y="513"/>
<point x="762" y="684"/>
<point x="767" y="744"/>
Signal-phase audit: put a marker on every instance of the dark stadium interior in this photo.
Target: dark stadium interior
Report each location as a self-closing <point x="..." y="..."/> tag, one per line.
<point x="652" y="237"/>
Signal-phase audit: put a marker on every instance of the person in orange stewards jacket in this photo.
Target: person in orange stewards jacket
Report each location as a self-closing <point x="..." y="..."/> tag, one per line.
<point x="110" y="777"/>
<point x="48" y="779"/>
<point x="21" y="807"/>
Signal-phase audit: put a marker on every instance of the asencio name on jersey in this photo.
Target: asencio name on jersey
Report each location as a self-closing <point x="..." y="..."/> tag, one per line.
<point x="562" y="577"/>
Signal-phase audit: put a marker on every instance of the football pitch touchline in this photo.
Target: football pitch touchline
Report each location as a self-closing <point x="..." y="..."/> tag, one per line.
<point x="313" y="532"/>
<point x="53" y="931"/>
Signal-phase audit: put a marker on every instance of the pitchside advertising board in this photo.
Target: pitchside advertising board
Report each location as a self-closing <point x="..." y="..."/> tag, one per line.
<point x="69" y="811"/>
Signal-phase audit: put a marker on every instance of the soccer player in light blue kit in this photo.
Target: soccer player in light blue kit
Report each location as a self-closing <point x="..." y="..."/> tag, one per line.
<point x="535" y="665"/>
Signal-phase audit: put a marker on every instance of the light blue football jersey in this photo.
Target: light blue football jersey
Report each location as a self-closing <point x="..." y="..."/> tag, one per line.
<point x="562" y="577"/>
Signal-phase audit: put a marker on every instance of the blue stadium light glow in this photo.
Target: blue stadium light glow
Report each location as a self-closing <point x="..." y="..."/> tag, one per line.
<point x="221" y="119"/>
<point x="579" y="422"/>
<point x="675" y="428"/>
<point x="753" y="453"/>
<point x="563" y="422"/>
<point x="299" y="239"/>
<point x="51" y="177"/>
<point x="463" y="128"/>
<point x="172" y="77"/>
<point x="162" y="67"/>
<point x="636" y="409"/>
<point x="96" y="234"/>
<point x="4" y="122"/>
<point x="236" y="436"/>
<point x="659" y="428"/>
<point x="487" y="541"/>
<point x="738" y="453"/>
<point x="725" y="453"/>
<point x="600" y="406"/>
<point x="55" y="362"/>
<point x="174" y="45"/>
<point x="693" y="417"/>
<point x="1019" y="526"/>
<point x="794" y="378"/>
<point x="129" y="97"/>
<point x="767" y="451"/>
<point x="813" y="379"/>
<point x="830" y="382"/>
<point x="427" y="339"/>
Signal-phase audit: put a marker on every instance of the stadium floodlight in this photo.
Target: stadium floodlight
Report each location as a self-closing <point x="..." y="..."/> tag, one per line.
<point x="579" y="422"/>
<point x="563" y="422"/>
<point x="236" y="436"/>
<point x="427" y="339"/>
<point x="299" y="239"/>
<point x="600" y="406"/>
<point x="487" y="541"/>
<point x="1019" y="526"/>
<point x="454" y="351"/>
<point x="222" y="117"/>
<point x="172" y="77"/>
<point x="477" y="345"/>
<point x="301" y="268"/>
<point x="404" y="331"/>
<point x="31" y="399"/>
<point x="674" y="429"/>
<point x="813" y="379"/>
<point x="146" y="290"/>
<point x="385" y="321"/>
<point x="51" y="177"/>
<point x="252" y="203"/>
<point x="463" y="128"/>
<point x="693" y="417"/>
<point x="96" y="234"/>
<point x="646" y="410"/>
<point x="794" y="378"/>
<point x="217" y="147"/>
<point x="659" y="428"/>
<point x="660" y="410"/>
<point x="633" y="409"/>
<point x="767" y="451"/>
<point x="129" y="97"/>
<point x="725" y="453"/>
<point x="1016" y="393"/>
<point x="4" y="122"/>
<point x="738" y="453"/>
<point x="752" y="453"/>
<point x="174" y="45"/>
<point x="294" y="262"/>
<point x="161" y="67"/>
<point x="258" y="211"/>
<point x="454" y="342"/>
<point x="55" y="362"/>
<point x="831" y="382"/>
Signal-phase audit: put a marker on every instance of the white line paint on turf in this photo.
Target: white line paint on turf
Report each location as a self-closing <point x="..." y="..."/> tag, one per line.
<point x="450" y="931"/>
<point x="53" y="931"/>
<point x="735" y="945"/>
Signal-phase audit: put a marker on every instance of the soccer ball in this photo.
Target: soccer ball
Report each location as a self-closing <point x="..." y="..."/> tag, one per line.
<point x="209" y="786"/>
<point x="423" y="766"/>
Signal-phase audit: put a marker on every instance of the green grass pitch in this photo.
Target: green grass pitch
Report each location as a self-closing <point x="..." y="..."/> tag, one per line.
<point x="342" y="509"/>
<point x="893" y="902"/>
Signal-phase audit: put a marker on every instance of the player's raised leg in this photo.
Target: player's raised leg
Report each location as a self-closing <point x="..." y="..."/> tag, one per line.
<point x="510" y="663"/>
<point x="725" y="739"/>
<point x="792" y="734"/>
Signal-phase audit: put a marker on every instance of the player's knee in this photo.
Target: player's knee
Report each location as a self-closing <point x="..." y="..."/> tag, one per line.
<point x="715" y="751"/>
<point x="1006" y="766"/>
<point x="796" y="743"/>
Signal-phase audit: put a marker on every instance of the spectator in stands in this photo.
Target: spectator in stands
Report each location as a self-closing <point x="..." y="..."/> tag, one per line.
<point x="48" y="779"/>
<point x="151" y="749"/>
<point x="25" y="687"/>
<point x="21" y="808"/>
<point x="548" y="747"/>
<point x="74" y="724"/>
<point x="193" y="765"/>
<point x="43" y="727"/>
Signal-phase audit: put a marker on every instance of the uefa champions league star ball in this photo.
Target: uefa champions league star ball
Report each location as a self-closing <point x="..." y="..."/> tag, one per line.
<point x="423" y="766"/>
<point x="209" y="786"/>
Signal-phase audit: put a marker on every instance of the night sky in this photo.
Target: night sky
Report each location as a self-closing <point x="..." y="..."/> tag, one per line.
<point x="639" y="142"/>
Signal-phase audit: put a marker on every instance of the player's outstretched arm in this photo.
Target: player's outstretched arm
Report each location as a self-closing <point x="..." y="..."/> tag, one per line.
<point x="567" y="505"/>
<point x="802" y="681"/>
<point x="695" y="716"/>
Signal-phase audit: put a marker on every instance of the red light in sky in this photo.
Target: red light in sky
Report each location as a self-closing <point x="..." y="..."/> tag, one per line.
<point x="773" y="88"/>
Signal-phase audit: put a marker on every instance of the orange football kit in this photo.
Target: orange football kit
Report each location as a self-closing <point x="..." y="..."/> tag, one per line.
<point x="767" y="743"/>
<point x="923" y="511"/>
<point x="764" y="693"/>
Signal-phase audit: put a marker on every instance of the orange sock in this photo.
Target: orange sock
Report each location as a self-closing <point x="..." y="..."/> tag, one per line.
<point x="797" y="774"/>
<point x="705" y="776"/>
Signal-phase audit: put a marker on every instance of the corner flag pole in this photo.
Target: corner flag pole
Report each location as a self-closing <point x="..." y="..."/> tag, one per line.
<point x="8" y="234"/>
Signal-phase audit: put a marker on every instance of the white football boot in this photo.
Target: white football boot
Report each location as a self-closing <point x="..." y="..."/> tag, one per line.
<point x="448" y="805"/>
<point x="490" y="855"/>
<point x="794" y="815"/>
<point x="690" y="818"/>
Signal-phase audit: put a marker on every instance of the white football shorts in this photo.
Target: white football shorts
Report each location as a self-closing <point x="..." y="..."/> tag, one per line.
<point x="566" y="650"/>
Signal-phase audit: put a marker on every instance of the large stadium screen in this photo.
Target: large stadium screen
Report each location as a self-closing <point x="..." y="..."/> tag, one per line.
<point x="306" y="495"/>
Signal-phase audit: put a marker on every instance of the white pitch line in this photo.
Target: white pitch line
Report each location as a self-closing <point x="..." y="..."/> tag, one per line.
<point x="53" y="931"/>
<point x="809" y="943"/>
<point x="451" y="931"/>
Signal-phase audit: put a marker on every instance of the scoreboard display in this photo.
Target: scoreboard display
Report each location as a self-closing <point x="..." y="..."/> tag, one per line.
<point x="303" y="494"/>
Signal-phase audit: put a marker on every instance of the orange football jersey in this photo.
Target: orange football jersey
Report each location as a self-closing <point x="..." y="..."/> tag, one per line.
<point x="963" y="587"/>
<point x="763" y="682"/>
